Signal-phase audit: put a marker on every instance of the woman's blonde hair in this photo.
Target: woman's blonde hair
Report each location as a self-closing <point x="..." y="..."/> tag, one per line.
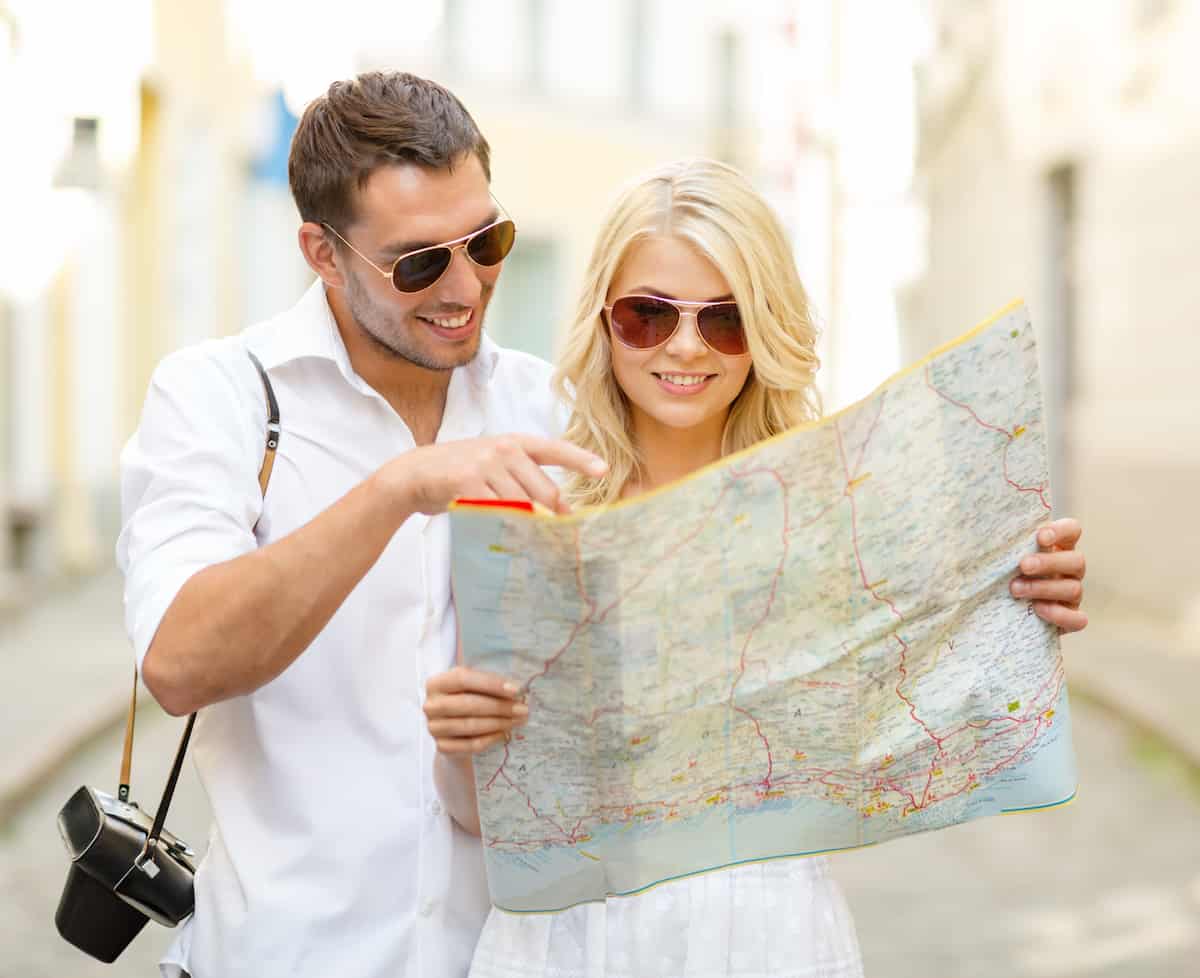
<point x="713" y="208"/>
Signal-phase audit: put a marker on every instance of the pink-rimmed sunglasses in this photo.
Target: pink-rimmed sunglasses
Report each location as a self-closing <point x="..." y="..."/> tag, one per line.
<point x="643" y="322"/>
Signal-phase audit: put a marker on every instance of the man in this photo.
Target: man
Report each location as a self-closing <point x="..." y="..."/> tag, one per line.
<point x="304" y="625"/>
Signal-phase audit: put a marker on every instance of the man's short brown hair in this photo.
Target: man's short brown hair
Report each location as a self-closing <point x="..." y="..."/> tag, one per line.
<point x="375" y="119"/>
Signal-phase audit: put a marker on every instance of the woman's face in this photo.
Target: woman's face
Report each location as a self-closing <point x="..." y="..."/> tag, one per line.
<point x="683" y="383"/>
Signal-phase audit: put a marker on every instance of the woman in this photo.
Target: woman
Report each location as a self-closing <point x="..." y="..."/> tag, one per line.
<point x="693" y="339"/>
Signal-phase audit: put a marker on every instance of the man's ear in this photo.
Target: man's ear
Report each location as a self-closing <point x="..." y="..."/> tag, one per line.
<point x="320" y="254"/>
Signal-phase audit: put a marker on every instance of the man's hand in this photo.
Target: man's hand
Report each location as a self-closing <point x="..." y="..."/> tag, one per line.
<point x="469" y="710"/>
<point x="1053" y="578"/>
<point x="499" y="467"/>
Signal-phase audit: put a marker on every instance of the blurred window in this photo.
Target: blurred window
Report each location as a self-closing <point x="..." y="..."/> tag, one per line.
<point x="587" y="49"/>
<point x="522" y="315"/>
<point x="725" y="110"/>
<point x="492" y="41"/>
<point x="81" y="166"/>
<point x="1062" y="245"/>
<point x="535" y="45"/>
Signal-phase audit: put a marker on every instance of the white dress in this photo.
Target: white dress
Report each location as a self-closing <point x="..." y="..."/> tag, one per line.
<point x="783" y="918"/>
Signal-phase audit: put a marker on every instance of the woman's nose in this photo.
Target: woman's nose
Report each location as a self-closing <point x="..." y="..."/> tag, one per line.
<point x="686" y="342"/>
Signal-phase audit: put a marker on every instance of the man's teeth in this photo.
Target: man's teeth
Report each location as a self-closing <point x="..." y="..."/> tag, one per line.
<point x="450" y="323"/>
<point x="684" y="380"/>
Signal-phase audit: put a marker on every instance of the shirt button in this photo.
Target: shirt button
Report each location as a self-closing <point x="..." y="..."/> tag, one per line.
<point x="435" y="807"/>
<point x="427" y="907"/>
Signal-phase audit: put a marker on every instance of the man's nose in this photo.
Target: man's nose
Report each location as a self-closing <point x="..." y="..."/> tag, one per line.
<point x="686" y="342"/>
<point x="461" y="282"/>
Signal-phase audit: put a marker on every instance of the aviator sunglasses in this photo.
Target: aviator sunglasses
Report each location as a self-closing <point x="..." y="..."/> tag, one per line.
<point x="643" y="322"/>
<point x="417" y="270"/>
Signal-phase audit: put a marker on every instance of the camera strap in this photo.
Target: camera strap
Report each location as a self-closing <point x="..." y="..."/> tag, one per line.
<point x="264" y="477"/>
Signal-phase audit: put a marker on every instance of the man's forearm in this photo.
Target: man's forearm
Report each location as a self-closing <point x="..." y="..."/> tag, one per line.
<point x="237" y="625"/>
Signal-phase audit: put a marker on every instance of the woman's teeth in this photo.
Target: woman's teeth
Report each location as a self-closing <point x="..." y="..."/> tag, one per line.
<point x="684" y="380"/>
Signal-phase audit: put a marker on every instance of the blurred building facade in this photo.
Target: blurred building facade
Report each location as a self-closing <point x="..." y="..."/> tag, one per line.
<point x="156" y="181"/>
<point x="1059" y="153"/>
<point x="131" y="118"/>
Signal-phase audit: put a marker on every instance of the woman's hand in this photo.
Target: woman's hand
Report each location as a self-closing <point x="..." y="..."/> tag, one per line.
<point x="1053" y="578"/>
<point x="469" y="710"/>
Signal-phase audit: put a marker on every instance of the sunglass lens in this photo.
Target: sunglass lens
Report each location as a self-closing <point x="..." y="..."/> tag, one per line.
<point x="420" y="270"/>
<point x="721" y="327"/>
<point x="643" y="322"/>
<point x="492" y="245"/>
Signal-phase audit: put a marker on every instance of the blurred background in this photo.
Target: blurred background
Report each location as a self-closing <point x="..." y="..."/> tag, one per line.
<point x="932" y="160"/>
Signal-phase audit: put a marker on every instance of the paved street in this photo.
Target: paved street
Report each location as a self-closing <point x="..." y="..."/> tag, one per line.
<point x="1108" y="887"/>
<point x="33" y="863"/>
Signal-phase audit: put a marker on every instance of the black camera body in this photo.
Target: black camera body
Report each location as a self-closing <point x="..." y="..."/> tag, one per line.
<point x="116" y="881"/>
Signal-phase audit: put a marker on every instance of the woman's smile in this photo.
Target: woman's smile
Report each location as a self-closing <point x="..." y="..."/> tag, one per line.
<point x="684" y="384"/>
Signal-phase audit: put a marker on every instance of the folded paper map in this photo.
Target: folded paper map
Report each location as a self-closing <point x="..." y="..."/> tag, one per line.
<point x="807" y="646"/>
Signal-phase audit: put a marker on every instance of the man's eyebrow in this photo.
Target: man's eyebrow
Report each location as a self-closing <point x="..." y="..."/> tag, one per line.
<point x="651" y="290"/>
<point x="398" y="248"/>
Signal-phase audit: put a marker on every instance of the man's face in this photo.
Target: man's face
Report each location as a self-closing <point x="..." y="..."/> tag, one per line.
<point x="403" y="208"/>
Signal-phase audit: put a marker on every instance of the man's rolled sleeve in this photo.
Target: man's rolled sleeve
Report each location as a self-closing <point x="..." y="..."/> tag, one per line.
<point x="189" y="479"/>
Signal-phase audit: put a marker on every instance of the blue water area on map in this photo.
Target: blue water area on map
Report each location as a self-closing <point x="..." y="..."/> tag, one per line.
<point x="622" y="858"/>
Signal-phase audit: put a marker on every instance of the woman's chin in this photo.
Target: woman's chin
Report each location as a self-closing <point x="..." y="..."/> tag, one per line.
<point x="685" y="417"/>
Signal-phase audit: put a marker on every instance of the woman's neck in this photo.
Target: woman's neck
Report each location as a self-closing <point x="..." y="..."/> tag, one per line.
<point x="672" y="453"/>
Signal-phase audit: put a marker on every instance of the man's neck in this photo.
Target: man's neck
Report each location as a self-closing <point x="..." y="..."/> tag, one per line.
<point x="416" y="393"/>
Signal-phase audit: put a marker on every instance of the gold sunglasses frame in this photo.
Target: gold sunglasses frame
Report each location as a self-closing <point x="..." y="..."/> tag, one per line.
<point x="455" y="244"/>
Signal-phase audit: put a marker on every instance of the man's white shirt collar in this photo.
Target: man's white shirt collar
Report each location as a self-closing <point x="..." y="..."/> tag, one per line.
<point x="313" y="332"/>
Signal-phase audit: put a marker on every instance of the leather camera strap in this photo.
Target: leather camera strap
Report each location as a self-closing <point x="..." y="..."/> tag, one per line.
<point x="264" y="477"/>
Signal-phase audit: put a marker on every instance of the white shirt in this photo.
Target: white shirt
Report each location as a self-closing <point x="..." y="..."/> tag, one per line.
<point x="329" y="853"/>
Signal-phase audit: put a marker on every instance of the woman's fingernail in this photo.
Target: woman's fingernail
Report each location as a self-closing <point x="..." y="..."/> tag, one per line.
<point x="1046" y="537"/>
<point x="1020" y="587"/>
<point x="511" y="688"/>
<point x="520" y="710"/>
<point x="1030" y="565"/>
<point x="597" y="466"/>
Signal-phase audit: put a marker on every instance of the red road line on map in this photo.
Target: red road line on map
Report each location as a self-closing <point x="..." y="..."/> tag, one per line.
<point x="668" y="555"/>
<point x="554" y="658"/>
<point x="862" y="572"/>
<point x="870" y="432"/>
<point x="766" y="611"/>
<point x="1040" y="491"/>
<point x="499" y="770"/>
<point x="587" y="618"/>
<point x="849" y="494"/>
<point x="807" y="523"/>
<point x="1019" y="751"/>
<point x="545" y="818"/>
<point x="912" y="708"/>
